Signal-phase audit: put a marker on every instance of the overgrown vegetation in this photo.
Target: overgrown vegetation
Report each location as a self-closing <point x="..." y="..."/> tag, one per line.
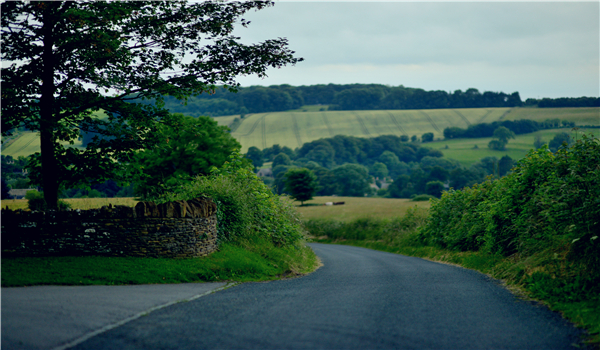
<point x="536" y="228"/>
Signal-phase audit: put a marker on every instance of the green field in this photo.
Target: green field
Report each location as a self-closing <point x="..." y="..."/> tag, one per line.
<point x="465" y="152"/>
<point x="294" y="128"/>
<point x="358" y="207"/>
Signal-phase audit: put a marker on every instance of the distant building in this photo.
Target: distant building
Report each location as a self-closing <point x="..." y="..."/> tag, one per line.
<point x="19" y="193"/>
<point x="265" y="172"/>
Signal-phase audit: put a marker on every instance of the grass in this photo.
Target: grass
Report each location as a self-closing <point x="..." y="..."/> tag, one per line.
<point x="309" y="123"/>
<point x="257" y="260"/>
<point x="464" y="151"/>
<point x="293" y="128"/>
<point x="357" y="207"/>
<point x="76" y="203"/>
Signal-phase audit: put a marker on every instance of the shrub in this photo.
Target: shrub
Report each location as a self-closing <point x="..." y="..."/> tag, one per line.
<point x="548" y="200"/>
<point x="36" y="201"/>
<point x="246" y="207"/>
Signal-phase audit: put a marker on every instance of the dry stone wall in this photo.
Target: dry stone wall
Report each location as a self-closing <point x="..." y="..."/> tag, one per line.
<point x="180" y="229"/>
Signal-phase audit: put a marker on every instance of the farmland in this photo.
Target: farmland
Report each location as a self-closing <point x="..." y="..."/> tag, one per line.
<point x="466" y="153"/>
<point x="293" y="128"/>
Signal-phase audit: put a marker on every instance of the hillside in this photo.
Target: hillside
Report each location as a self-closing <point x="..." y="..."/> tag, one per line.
<point x="293" y="128"/>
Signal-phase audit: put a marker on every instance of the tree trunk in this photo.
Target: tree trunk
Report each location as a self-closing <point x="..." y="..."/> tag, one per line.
<point x="47" y="120"/>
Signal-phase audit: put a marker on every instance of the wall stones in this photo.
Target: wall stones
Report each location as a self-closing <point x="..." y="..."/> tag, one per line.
<point x="180" y="229"/>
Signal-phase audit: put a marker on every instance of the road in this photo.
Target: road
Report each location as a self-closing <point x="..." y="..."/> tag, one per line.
<point x="358" y="299"/>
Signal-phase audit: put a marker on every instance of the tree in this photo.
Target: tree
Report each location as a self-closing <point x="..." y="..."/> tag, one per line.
<point x="185" y="148"/>
<point x="503" y="134"/>
<point x="504" y="165"/>
<point x="281" y="159"/>
<point x="67" y="60"/>
<point x="538" y="142"/>
<point x="434" y="188"/>
<point x="256" y="156"/>
<point x="427" y="137"/>
<point x="301" y="184"/>
<point x="562" y="139"/>
<point x="352" y="180"/>
<point x="5" y="190"/>
<point x="379" y="170"/>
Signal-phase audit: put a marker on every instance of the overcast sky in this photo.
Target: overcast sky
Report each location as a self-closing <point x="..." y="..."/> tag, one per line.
<point x="548" y="49"/>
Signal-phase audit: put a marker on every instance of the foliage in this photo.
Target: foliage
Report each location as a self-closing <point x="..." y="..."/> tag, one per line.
<point x="301" y="184"/>
<point x="548" y="200"/>
<point x="352" y="180"/>
<point x="256" y="156"/>
<point x="5" y="190"/>
<point x="559" y="140"/>
<point x="184" y="148"/>
<point x="246" y="207"/>
<point x="36" y="201"/>
<point x="69" y="59"/>
<point x="427" y="137"/>
<point x="503" y="135"/>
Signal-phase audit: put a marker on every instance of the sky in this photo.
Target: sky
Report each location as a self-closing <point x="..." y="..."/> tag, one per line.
<point x="540" y="49"/>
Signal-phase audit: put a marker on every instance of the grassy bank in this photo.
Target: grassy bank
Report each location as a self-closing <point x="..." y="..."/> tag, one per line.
<point x="256" y="260"/>
<point x="259" y="236"/>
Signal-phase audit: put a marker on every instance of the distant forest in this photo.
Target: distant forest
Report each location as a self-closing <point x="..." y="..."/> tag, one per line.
<point x="259" y="99"/>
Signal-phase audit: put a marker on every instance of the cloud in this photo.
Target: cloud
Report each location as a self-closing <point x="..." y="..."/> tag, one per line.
<point x="524" y="45"/>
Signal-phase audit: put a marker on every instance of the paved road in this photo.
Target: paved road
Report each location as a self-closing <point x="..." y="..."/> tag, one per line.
<point x="49" y="317"/>
<point x="359" y="299"/>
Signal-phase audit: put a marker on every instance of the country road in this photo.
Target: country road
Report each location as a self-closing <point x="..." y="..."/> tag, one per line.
<point x="359" y="299"/>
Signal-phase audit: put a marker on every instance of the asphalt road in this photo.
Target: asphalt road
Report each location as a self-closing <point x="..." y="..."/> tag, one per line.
<point x="359" y="299"/>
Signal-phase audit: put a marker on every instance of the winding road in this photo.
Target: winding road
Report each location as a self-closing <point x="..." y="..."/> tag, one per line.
<point x="358" y="299"/>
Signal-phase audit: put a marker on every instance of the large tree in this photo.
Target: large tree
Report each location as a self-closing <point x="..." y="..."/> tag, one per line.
<point x="301" y="184"/>
<point x="63" y="61"/>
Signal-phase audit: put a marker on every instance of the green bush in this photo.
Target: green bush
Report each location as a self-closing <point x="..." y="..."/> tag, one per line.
<point x="36" y="201"/>
<point x="422" y="197"/>
<point x="550" y="201"/>
<point x="246" y="207"/>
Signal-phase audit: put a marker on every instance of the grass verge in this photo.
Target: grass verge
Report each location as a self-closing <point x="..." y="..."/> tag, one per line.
<point x="252" y="260"/>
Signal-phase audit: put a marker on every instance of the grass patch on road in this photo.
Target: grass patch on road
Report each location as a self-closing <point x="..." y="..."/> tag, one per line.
<point x="255" y="260"/>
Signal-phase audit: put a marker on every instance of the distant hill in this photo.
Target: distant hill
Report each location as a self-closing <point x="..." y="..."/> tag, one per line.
<point x="294" y="128"/>
<point x="309" y="123"/>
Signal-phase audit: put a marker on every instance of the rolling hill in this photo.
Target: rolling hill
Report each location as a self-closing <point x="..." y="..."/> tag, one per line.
<point x="293" y="128"/>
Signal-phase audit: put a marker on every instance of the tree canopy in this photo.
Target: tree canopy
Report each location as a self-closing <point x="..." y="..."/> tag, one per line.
<point x="301" y="184"/>
<point x="66" y="60"/>
<point x="184" y="148"/>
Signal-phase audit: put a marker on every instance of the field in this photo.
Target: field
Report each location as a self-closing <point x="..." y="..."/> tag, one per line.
<point x="465" y="152"/>
<point x="357" y="207"/>
<point x="293" y="128"/>
<point x="76" y="203"/>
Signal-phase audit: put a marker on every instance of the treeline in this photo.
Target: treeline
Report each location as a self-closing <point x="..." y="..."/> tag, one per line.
<point x="564" y="102"/>
<point x="348" y="166"/>
<point x="259" y="99"/>
<point x="523" y="126"/>
<point x="275" y="98"/>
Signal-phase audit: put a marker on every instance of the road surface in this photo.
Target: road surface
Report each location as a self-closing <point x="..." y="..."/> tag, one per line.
<point x="358" y="299"/>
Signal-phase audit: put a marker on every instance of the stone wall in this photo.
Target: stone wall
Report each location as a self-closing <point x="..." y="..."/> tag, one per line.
<point x="179" y="229"/>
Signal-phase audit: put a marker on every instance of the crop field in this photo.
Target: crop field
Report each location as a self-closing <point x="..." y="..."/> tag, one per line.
<point x="466" y="153"/>
<point x="293" y="128"/>
<point x="76" y="203"/>
<point x="357" y="207"/>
